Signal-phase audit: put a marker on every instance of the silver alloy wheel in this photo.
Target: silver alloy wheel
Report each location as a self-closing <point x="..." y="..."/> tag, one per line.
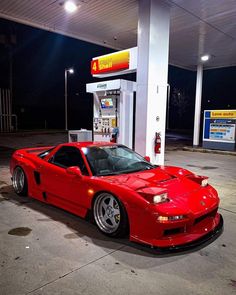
<point x="18" y="180"/>
<point x="107" y="213"/>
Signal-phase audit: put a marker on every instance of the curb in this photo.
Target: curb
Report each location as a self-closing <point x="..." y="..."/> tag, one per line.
<point x="201" y="150"/>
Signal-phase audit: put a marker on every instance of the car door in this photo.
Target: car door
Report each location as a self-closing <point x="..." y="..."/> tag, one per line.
<point x="61" y="188"/>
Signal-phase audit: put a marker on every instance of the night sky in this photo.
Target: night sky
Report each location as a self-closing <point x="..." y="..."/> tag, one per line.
<point x="39" y="61"/>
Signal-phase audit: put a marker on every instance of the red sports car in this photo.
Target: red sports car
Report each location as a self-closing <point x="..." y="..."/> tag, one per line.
<point x="161" y="206"/>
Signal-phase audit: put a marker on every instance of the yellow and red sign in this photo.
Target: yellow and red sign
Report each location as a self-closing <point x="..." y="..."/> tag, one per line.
<point x="110" y="63"/>
<point x="223" y="114"/>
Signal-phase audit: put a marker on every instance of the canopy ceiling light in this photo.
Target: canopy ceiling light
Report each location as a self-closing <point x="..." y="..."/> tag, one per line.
<point x="70" y="6"/>
<point x="205" y="57"/>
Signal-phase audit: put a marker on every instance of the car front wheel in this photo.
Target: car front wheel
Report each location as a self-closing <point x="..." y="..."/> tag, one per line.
<point x="110" y="215"/>
<point x="19" y="181"/>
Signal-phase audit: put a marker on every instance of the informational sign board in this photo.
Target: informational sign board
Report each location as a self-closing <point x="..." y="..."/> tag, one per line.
<point x="219" y="129"/>
<point x="222" y="131"/>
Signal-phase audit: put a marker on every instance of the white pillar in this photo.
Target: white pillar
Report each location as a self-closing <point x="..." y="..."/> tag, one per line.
<point x="152" y="71"/>
<point x="198" y="100"/>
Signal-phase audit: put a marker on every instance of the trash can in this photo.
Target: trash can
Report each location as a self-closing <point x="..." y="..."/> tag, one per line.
<point x="80" y="135"/>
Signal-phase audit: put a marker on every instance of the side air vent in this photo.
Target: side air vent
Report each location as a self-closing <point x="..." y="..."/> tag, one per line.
<point x="44" y="196"/>
<point x="37" y="177"/>
<point x="171" y="177"/>
<point x="210" y="214"/>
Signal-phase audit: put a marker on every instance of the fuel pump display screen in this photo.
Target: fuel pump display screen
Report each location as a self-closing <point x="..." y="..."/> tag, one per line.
<point x="106" y="103"/>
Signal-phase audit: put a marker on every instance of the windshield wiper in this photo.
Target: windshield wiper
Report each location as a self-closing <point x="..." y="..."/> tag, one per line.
<point x="136" y="170"/>
<point x="110" y="173"/>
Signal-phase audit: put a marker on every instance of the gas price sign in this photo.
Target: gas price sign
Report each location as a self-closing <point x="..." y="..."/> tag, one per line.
<point x="110" y="63"/>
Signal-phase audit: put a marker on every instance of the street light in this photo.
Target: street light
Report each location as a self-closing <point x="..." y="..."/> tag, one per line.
<point x="70" y="71"/>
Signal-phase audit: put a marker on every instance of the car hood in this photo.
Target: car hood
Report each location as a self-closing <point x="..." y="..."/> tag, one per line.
<point x="157" y="177"/>
<point x="183" y="192"/>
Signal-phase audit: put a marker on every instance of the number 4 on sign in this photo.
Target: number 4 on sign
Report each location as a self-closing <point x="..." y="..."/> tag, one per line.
<point x="94" y="66"/>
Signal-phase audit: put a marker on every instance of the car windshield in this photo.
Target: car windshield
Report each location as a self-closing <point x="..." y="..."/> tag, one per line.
<point x="112" y="160"/>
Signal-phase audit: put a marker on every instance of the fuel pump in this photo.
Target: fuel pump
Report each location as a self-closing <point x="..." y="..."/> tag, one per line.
<point x="113" y="110"/>
<point x="106" y="118"/>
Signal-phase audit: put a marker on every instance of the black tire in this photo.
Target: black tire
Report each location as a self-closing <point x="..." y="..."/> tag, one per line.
<point x="19" y="182"/>
<point x="110" y="215"/>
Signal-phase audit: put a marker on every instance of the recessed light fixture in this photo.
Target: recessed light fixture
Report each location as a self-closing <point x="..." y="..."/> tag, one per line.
<point x="205" y="57"/>
<point x="70" y="6"/>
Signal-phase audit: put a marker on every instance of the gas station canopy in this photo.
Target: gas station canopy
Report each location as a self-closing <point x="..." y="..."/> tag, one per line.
<point x="196" y="27"/>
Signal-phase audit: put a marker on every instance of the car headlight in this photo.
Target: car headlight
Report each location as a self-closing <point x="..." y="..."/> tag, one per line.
<point x="160" y="198"/>
<point x="154" y="195"/>
<point x="204" y="182"/>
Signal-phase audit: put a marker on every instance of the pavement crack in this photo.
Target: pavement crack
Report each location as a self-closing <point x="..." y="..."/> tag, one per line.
<point x="227" y="210"/>
<point x="74" y="270"/>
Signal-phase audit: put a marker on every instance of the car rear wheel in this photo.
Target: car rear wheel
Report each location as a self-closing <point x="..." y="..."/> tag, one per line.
<point x="19" y="181"/>
<point x="110" y="215"/>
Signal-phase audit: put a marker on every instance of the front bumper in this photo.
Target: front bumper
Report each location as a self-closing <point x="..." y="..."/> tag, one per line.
<point x="208" y="238"/>
<point x="187" y="241"/>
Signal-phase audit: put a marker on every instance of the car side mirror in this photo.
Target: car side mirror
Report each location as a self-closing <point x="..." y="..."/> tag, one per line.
<point x="74" y="170"/>
<point x="147" y="158"/>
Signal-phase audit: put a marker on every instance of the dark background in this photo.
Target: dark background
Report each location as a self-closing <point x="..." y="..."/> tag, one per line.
<point x="39" y="59"/>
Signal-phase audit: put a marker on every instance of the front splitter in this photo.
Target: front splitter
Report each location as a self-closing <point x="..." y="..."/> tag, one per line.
<point x="208" y="238"/>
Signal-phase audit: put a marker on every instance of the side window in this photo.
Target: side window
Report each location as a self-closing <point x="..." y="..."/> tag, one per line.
<point x="68" y="156"/>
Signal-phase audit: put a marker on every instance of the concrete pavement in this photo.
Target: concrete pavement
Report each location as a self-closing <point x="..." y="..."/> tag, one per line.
<point x="45" y="250"/>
